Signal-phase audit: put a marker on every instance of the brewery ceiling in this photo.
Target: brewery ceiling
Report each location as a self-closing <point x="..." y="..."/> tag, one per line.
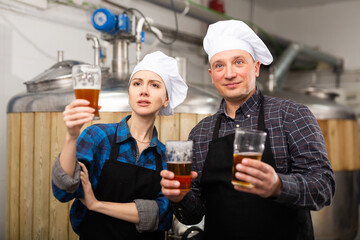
<point x="289" y="4"/>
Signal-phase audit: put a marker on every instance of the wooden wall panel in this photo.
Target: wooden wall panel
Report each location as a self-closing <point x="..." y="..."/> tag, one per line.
<point x="201" y="117"/>
<point x="118" y="116"/>
<point x="169" y="128"/>
<point x="26" y="175"/>
<point x="187" y="122"/>
<point x="59" y="215"/>
<point x="105" y="117"/>
<point x="13" y="176"/>
<point x="342" y="143"/>
<point x="41" y="176"/>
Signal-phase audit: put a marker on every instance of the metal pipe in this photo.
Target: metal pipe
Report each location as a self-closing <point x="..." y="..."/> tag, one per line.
<point x="278" y="71"/>
<point x="120" y="62"/>
<point x="96" y="48"/>
<point x="321" y="56"/>
<point x="192" y="10"/>
<point x="205" y="14"/>
<point x="60" y="56"/>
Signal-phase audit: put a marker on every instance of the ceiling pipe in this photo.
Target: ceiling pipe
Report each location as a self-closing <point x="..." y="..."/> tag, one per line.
<point x="278" y="71"/>
<point x="192" y="9"/>
<point x="207" y="15"/>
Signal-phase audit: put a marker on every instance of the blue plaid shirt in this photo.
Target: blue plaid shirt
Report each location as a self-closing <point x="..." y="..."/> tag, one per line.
<point x="296" y="142"/>
<point x="93" y="149"/>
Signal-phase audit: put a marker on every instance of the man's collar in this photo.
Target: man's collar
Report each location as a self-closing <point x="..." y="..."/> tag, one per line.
<point x="246" y="107"/>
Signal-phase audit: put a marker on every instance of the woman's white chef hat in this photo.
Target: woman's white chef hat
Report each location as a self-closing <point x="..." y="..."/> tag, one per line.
<point x="166" y="67"/>
<point x="235" y="34"/>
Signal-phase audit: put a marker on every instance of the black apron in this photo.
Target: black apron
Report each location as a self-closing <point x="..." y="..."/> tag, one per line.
<point x="121" y="182"/>
<point x="230" y="214"/>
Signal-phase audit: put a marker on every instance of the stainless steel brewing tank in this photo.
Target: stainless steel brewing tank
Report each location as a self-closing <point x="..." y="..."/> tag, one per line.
<point x="113" y="98"/>
<point x="339" y="221"/>
<point x="51" y="91"/>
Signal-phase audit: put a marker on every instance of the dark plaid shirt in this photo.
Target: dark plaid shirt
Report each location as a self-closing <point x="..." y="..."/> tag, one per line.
<point x="296" y="142"/>
<point x="93" y="149"/>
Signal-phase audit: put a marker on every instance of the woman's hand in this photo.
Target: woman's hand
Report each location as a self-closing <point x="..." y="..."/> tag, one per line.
<point x="76" y="114"/>
<point x="89" y="199"/>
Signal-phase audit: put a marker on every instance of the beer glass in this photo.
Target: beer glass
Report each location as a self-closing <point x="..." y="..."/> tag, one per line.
<point x="87" y="84"/>
<point x="247" y="144"/>
<point x="179" y="161"/>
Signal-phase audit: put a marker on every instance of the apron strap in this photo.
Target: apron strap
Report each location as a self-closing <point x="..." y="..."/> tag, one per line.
<point x="261" y="118"/>
<point x="158" y="162"/>
<point x="217" y="127"/>
<point x="114" y="147"/>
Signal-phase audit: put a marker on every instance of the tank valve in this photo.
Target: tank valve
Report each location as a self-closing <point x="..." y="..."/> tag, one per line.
<point x="60" y="56"/>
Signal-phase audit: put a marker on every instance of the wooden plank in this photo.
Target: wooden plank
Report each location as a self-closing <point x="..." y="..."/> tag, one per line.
<point x="59" y="212"/>
<point x="13" y="171"/>
<point x="332" y="136"/>
<point x="356" y="144"/>
<point x="105" y="117"/>
<point x="348" y="135"/>
<point x="187" y="122"/>
<point x="201" y="117"/>
<point x="118" y="116"/>
<point x="26" y="175"/>
<point x="41" y="176"/>
<point x="157" y="125"/>
<point x="170" y="127"/>
<point x="341" y="139"/>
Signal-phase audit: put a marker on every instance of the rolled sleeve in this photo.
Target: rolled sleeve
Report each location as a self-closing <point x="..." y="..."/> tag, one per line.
<point x="289" y="189"/>
<point x="148" y="211"/>
<point x="62" y="180"/>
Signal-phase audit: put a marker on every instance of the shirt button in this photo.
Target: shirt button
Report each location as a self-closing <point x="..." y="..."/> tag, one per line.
<point x="248" y="115"/>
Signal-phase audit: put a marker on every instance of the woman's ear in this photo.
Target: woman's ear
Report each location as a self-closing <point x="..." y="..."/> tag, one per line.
<point x="166" y="103"/>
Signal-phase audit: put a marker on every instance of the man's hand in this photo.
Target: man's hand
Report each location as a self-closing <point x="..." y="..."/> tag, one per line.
<point x="266" y="181"/>
<point x="170" y="187"/>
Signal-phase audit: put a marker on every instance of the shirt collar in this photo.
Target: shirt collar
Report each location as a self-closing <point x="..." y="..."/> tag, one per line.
<point x="249" y="106"/>
<point x="123" y="134"/>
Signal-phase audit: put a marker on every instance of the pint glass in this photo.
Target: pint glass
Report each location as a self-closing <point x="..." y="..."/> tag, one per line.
<point x="87" y="84"/>
<point x="247" y="144"/>
<point x="179" y="161"/>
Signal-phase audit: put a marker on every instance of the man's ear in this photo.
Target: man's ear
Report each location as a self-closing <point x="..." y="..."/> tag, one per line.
<point x="210" y="73"/>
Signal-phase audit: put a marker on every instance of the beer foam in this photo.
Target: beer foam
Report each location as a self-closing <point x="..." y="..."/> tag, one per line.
<point x="88" y="87"/>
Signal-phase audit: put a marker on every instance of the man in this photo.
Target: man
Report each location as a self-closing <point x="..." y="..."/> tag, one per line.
<point x="294" y="175"/>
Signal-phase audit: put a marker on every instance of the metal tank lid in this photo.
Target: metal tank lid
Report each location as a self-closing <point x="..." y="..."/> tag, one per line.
<point x="56" y="77"/>
<point x="320" y="102"/>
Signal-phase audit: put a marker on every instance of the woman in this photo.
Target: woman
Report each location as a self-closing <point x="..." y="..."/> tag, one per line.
<point x="121" y="162"/>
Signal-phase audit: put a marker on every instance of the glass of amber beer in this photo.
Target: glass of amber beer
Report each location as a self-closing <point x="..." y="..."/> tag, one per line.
<point x="179" y="161"/>
<point x="87" y="84"/>
<point x="247" y="144"/>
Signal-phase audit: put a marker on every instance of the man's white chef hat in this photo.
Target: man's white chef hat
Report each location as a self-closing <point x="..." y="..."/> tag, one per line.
<point x="166" y="67"/>
<point x="235" y="34"/>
